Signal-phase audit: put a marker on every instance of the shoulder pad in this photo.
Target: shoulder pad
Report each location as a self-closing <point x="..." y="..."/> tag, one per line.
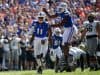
<point x="67" y="12"/>
<point x="60" y="35"/>
<point x="34" y="23"/>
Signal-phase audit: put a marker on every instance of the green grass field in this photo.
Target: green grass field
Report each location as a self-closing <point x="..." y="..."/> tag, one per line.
<point x="50" y="72"/>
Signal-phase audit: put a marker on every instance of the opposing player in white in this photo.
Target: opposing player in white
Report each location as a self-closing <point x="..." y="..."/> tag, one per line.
<point x="91" y="32"/>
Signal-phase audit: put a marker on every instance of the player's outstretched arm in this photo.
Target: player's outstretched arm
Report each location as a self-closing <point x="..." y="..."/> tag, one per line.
<point x="50" y="16"/>
<point x="83" y="34"/>
<point x="60" y="24"/>
<point x="50" y="36"/>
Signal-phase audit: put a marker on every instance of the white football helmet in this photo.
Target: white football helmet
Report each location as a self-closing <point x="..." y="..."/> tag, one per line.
<point x="62" y="7"/>
<point x="57" y="31"/>
<point x="41" y="15"/>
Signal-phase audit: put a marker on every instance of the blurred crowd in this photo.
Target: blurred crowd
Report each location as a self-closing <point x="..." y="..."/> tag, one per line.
<point x="16" y="17"/>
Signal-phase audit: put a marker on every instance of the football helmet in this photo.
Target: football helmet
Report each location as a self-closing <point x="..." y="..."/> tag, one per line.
<point x="41" y="15"/>
<point x="62" y="7"/>
<point x="57" y="31"/>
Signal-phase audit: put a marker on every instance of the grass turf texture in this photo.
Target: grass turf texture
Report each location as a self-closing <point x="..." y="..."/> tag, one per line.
<point x="51" y="72"/>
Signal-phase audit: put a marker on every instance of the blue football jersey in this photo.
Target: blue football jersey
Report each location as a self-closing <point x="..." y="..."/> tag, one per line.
<point x="56" y="41"/>
<point x="40" y="29"/>
<point x="66" y="15"/>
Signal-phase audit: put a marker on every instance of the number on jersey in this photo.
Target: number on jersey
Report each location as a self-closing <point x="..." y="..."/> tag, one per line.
<point x="56" y="42"/>
<point x="39" y="31"/>
<point x="89" y="28"/>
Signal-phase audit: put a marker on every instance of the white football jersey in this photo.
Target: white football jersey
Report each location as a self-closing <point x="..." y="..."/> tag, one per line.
<point x="91" y="28"/>
<point x="76" y="52"/>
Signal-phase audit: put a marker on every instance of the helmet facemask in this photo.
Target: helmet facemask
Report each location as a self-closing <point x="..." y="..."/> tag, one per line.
<point x="91" y="18"/>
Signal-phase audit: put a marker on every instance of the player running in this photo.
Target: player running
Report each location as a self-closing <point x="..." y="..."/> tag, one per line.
<point x="56" y="47"/>
<point x="41" y="32"/>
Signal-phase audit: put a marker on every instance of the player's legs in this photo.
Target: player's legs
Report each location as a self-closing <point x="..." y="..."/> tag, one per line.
<point x="37" y="53"/>
<point x="44" y="48"/>
<point x="98" y="51"/>
<point x="58" y="54"/>
<point x="67" y="35"/>
<point x="92" y="45"/>
<point x="5" y="60"/>
<point x="16" y="53"/>
<point x="14" y="59"/>
<point x="37" y="47"/>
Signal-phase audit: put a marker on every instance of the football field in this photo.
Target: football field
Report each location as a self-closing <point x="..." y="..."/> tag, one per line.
<point x="50" y="72"/>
